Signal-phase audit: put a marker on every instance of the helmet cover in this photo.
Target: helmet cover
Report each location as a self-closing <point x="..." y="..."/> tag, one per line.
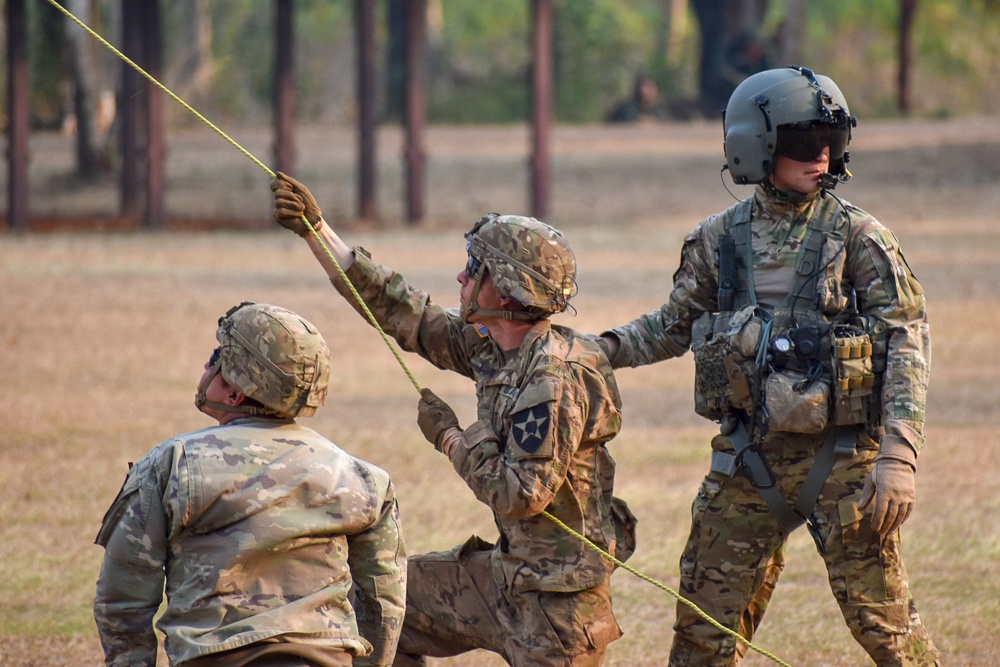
<point x="528" y="261"/>
<point x="275" y="357"/>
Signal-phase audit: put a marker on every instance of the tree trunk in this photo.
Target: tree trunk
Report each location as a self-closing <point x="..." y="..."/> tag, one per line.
<point x="395" y="61"/>
<point x="907" y="13"/>
<point x="711" y="29"/>
<point x="731" y="48"/>
<point x="789" y="37"/>
<point x="47" y="47"/>
<point x="82" y="67"/>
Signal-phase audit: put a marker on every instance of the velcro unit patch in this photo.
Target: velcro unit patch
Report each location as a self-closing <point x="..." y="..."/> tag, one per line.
<point x="530" y="427"/>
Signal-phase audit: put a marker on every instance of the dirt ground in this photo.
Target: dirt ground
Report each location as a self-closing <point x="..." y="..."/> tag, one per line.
<point x="104" y="335"/>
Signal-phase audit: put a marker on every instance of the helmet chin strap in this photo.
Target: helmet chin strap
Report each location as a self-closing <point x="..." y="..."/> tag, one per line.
<point x="201" y="400"/>
<point x="471" y="307"/>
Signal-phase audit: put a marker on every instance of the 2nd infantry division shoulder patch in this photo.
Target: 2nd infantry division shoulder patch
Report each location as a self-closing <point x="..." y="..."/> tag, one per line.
<point x="531" y="427"/>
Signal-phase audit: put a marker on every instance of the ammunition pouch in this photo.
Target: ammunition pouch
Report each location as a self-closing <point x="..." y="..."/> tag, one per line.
<point x="853" y="375"/>
<point x="845" y="393"/>
<point x="725" y="355"/>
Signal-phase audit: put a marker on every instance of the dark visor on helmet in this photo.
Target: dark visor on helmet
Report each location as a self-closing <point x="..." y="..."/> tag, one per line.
<point x="804" y="142"/>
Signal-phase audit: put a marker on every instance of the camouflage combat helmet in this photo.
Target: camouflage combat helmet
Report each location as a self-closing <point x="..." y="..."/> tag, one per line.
<point x="789" y="111"/>
<point x="528" y="262"/>
<point x="274" y="357"/>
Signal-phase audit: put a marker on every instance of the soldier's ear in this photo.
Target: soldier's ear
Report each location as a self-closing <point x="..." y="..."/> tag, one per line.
<point x="235" y="397"/>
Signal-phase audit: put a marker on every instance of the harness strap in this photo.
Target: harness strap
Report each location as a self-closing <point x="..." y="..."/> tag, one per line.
<point x="746" y="293"/>
<point x="749" y="460"/>
<point x="801" y="296"/>
<point x="807" y="267"/>
<point x="839" y="444"/>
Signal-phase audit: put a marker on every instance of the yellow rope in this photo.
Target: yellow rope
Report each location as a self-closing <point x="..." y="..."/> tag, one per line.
<point x="159" y="85"/>
<point x="663" y="587"/>
<point x="237" y="146"/>
<point x="389" y="342"/>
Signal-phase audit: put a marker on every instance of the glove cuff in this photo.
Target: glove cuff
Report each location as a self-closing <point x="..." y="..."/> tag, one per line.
<point x="898" y="449"/>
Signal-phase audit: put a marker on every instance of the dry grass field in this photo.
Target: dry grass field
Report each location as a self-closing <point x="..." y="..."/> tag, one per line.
<point x="104" y="335"/>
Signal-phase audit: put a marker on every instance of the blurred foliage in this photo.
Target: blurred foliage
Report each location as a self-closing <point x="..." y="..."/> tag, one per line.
<point x="483" y="62"/>
<point x="480" y="62"/>
<point x="956" y="49"/>
<point x="478" y="65"/>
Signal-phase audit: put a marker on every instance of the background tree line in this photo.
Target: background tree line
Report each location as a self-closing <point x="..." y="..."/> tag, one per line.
<point x="219" y="55"/>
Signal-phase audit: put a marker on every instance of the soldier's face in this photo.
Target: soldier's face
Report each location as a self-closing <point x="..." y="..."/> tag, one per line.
<point x="803" y="177"/>
<point x="216" y="389"/>
<point x="206" y="375"/>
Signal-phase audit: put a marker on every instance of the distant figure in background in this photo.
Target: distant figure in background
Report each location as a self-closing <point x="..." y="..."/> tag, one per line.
<point x="643" y="106"/>
<point x="276" y="547"/>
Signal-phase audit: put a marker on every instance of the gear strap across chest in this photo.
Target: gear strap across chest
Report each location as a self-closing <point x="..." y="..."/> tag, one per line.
<point x="802" y="294"/>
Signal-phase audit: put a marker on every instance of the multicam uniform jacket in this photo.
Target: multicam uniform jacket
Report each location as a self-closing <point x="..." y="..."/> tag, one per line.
<point x="871" y="264"/>
<point x="545" y="415"/>
<point x="259" y="528"/>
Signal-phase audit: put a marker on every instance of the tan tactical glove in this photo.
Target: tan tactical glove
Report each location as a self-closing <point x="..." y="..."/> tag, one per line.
<point x="892" y="485"/>
<point x="292" y="200"/>
<point x="437" y="420"/>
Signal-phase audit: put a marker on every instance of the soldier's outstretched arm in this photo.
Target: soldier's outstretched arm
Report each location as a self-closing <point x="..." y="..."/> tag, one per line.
<point x="373" y="290"/>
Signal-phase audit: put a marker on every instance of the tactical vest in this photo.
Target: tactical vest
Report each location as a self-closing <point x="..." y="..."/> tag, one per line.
<point x="813" y="365"/>
<point x="813" y="362"/>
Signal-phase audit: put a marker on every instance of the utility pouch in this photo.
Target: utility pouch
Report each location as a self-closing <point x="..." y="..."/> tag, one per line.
<point x="853" y="376"/>
<point x="796" y="403"/>
<point x="725" y="349"/>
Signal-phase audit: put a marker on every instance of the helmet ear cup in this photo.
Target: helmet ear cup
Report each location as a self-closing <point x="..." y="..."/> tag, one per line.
<point x="749" y="148"/>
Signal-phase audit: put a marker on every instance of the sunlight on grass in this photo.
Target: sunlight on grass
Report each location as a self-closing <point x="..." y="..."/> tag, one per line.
<point x="105" y="336"/>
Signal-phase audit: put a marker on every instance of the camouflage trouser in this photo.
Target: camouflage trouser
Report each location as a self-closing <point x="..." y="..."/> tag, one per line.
<point x="734" y="556"/>
<point x="454" y="605"/>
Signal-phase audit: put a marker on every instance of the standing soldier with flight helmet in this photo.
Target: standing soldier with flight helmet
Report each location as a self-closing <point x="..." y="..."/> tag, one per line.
<point x="547" y="407"/>
<point x="276" y="547"/>
<point x="812" y="350"/>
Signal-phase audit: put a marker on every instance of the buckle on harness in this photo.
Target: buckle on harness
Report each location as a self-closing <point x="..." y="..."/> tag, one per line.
<point x="753" y="464"/>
